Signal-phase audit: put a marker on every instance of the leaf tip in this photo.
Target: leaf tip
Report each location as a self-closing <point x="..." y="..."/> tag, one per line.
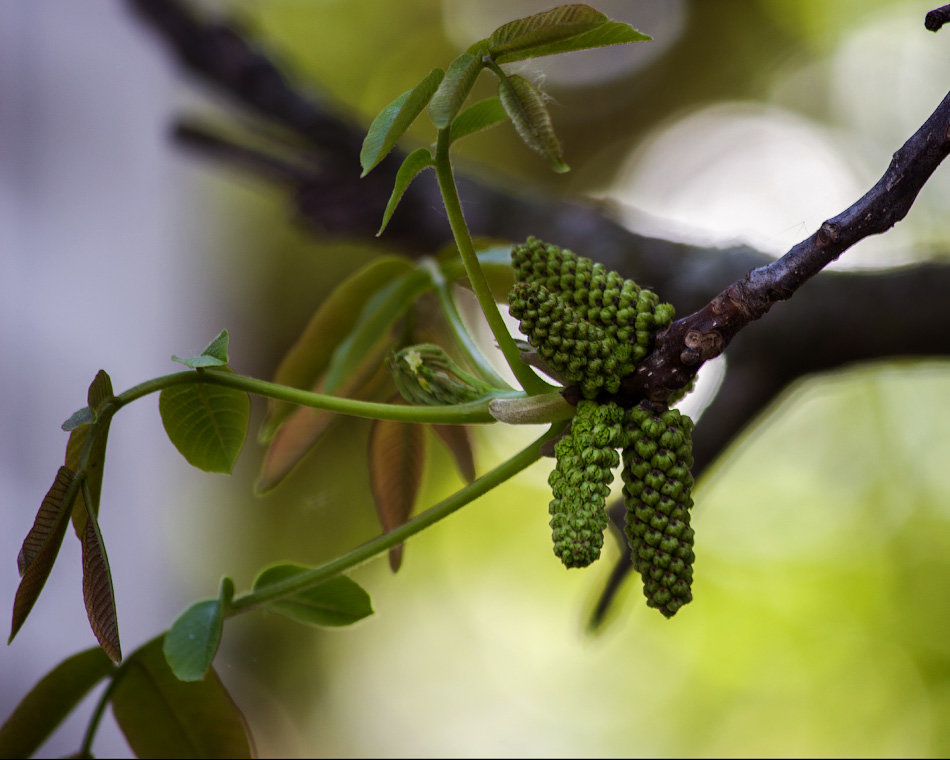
<point x="395" y="558"/>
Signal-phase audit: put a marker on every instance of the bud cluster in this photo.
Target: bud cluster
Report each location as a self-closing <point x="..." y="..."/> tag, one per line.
<point x="426" y="374"/>
<point x="657" y="458"/>
<point x="580" y="482"/>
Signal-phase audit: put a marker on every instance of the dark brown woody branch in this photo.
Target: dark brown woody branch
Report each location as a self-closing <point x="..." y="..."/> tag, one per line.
<point x="693" y="340"/>
<point x="937" y="18"/>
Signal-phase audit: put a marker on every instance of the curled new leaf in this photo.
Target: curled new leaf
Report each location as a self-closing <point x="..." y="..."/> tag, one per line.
<point x="50" y="701"/>
<point x="207" y="423"/>
<point x="161" y="716"/>
<point x="558" y="30"/>
<point x="414" y="163"/>
<point x="192" y="641"/>
<point x="395" y="119"/>
<point x="459" y="78"/>
<point x="97" y="590"/>
<point x="525" y="107"/>
<point x="334" y="602"/>
<point x="42" y="544"/>
<point x="396" y="459"/>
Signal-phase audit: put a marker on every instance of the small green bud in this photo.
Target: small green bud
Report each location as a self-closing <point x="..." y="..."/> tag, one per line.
<point x="426" y="374"/>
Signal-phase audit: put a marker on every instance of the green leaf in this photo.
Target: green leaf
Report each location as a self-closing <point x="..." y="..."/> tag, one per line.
<point x="192" y="641"/>
<point x="161" y="716"/>
<point x="215" y="354"/>
<point x="379" y="313"/>
<point x="414" y="163"/>
<point x="50" y="701"/>
<point x="307" y="360"/>
<point x="478" y="116"/>
<point x="525" y="107"/>
<point x="397" y="454"/>
<point x="611" y="33"/>
<point x="42" y="544"/>
<point x="395" y="119"/>
<point x="335" y="602"/>
<point x="97" y="590"/>
<point x="459" y="79"/>
<point x="558" y="30"/>
<point x="207" y="423"/>
<point x="79" y="418"/>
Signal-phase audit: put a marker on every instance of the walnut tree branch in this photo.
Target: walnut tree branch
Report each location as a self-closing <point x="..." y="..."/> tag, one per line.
<point x="695" y="339"/>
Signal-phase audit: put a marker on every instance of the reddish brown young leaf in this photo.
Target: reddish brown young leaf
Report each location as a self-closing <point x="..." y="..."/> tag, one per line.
<point x="97" y="590"/>
<point x="42" y="545"/>
<point x="396" y="458"/>
<point x="458" y="439"/>
<point x="47" y="519"/>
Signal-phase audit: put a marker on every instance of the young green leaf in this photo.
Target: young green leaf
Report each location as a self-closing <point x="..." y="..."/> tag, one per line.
<point x="215" y="354"/>
<point x="610" y="33"/>
<point x="97" y="590"/>
<point x="525" y="107"/>
<point x="395" y="119"/>
<point x="307" y="360"/>
<point x="558" y="30"/>
<point x="162" y="716"/>
<point x="335" y="602"/>
<point x="414" y="163"/>
<point x="397" y="452"/>
<point x="458" y="441"/>
<point x="459" y="79"/>
<point x="478" y="116"/>
<point x="50" y="701"/>
<point x="305" y="427"/>
<point x="207" y="423"/>
<point x="377" y="317"/>
<point x="42" y="544"/>
<point x="192" y="641"/>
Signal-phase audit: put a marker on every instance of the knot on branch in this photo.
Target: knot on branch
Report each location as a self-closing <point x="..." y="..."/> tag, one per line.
<point x="828" y="234"/>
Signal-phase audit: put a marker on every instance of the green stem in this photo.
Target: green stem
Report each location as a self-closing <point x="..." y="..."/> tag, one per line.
<point x="85" y="750"/>
<point x="508" y="469"/>
<point x="450" y="414"/>
<point x="453" y="210"/>
<point x="447" y="302"/>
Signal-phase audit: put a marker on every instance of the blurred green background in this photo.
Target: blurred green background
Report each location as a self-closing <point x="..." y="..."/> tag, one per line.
<point x="822" y="592"/>
<point x="821" y="595"/>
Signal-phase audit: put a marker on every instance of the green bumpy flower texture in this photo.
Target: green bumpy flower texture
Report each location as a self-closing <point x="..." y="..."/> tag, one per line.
<point x="589" y="295"/>
<point x="586" y="458"/>
<point x="657" y="482"/>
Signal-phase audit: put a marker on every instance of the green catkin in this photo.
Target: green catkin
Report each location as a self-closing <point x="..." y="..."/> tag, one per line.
<point x="626" y="313"/>
<point x="582" y="353"/>
<point x="657" y="457"/>
<point x="580" y="482"/>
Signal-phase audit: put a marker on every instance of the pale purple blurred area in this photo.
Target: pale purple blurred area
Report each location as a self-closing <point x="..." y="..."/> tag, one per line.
<point x="95" y="211"/>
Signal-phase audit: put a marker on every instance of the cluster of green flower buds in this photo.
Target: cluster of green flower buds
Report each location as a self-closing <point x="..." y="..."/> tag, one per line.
<point x="589" y="323"/>
<point x="657" y="458"/>
<point x="426" y="374"/>
<point x="586" y="457"/>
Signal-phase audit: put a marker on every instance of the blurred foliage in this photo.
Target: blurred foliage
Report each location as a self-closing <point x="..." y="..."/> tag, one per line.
<point x="820" y="612"/>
